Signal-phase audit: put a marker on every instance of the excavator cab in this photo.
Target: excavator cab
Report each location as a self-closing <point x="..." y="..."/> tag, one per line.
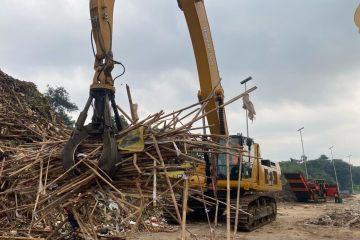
<point x="241" y="143"/>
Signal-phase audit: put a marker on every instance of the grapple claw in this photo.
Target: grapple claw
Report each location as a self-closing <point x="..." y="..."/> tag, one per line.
<point x="69" y="149"/>
<point x="101" y="125"/>
<point x="109" y="153"/>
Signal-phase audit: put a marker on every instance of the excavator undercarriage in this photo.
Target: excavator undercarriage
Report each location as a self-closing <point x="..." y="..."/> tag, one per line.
<point x="258" y="210"/>
<point x="255" y="209"/>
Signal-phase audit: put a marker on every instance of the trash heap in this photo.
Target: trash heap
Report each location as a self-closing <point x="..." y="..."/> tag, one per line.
<point x="25" y="115"/>
<point x="38" y="199"/>
<point x="349" y="217"/>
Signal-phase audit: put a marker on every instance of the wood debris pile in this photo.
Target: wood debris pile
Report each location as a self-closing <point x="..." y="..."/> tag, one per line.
<point x="25" y="115"/>
<point x="39" y="199"/>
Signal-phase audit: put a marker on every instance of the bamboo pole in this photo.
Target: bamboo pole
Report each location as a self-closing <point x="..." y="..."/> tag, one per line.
<point x="216" y="214"/>
<point x="154" y="182"/>
<point x="228" y="197"/>
<point x="167" y="178"/>
<point x="215" y="109"/>
<point x="184" y="207"/>
<point x="238" y="196"/>
<point x="125" y="114"/>
<point x="133" y="108"/>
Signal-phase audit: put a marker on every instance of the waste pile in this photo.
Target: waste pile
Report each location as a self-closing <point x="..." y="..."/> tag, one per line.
<point x="25" y="115"/>
<point x="38" y="199"/>
<point x="349" y="217"/>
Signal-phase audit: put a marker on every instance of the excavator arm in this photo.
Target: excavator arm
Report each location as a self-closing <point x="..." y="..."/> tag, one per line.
<point x="209" y="77"/>
<point x="102" y="94"/>
<point x="101" y="14"/>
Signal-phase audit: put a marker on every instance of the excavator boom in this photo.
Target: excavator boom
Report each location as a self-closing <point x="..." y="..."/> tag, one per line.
<point x="199" y="29"/>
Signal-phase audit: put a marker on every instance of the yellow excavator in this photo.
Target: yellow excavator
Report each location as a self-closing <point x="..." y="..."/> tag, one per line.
<point x="260" y="178"/>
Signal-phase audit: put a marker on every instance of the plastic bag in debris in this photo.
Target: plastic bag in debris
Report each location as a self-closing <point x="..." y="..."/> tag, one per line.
<point x="133" y="141"/>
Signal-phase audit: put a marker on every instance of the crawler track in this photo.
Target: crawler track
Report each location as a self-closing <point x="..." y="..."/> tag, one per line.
<point x="257" y="210"/>
<point x="261" y="207"/>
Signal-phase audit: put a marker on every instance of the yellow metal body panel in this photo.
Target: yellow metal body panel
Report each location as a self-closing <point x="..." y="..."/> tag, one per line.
<point x="196" y="180"/>
<point x="199" y="178"/>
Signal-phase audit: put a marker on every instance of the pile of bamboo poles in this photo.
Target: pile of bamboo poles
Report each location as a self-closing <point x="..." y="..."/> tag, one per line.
<point x="39" y="199"/>
<point x="25" y="115"/>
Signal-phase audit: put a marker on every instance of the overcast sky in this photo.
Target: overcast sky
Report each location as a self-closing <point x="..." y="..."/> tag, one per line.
<point x="303" y="56"/>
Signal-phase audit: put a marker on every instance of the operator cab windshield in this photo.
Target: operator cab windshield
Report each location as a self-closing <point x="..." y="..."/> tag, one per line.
<point x="237" y="143"/>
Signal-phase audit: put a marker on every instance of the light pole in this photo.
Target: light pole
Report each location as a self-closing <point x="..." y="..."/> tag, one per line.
<point x="352" y="183"/>
<point x="303" y="156"/>
<point x="332" y="159"/>
<point x="246" y="111"/>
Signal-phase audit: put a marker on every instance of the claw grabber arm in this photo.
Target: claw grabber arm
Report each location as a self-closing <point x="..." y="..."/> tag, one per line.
<point x="102" y="94"/>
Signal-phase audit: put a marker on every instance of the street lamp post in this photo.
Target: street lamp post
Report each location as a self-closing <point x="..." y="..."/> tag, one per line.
<point x="246" y="111"/>
<point x="352" y="183"/>
<point x="303" y="156"/>
<point x="336" y="178"/>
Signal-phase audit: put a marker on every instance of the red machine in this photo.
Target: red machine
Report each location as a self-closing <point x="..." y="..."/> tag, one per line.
<point x="332" y="191"/>
<point x="308" y="190"/>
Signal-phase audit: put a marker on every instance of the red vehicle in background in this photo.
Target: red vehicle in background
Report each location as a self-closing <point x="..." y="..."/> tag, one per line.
<point x="309" y="190"/>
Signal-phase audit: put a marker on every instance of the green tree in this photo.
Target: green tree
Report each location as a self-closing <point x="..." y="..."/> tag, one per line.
<point x="60" y="103"/>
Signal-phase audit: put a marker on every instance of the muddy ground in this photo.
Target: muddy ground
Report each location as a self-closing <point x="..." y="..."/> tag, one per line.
<point x="295" y="221"/>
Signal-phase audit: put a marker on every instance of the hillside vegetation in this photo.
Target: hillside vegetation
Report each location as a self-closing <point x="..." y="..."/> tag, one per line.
<point x="321" y="168"/>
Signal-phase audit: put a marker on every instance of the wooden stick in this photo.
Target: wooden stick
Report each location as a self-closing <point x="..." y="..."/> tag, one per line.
<point x="215" y="109"/>
<point x="238" y="196"/>
<point x="184" y="207"/>
<point x="228" y="223"/>
<point x="125" y="114"/>
<point x="167" y="178"/>
<point x="135" y="164"/>
<point x="142" y="200"/>
<point x="154" y="182"/>
<point x="216" y="214"/>
<point x="132" y="109"/>
<point x="205" y="205"/>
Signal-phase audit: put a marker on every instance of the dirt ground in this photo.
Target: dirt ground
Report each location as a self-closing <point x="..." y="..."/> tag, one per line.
<point x="292" y="223"/>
